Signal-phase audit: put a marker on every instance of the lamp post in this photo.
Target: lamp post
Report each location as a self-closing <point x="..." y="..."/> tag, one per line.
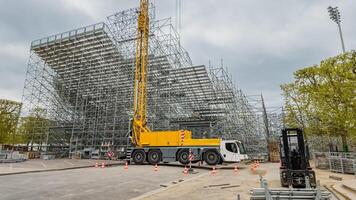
<point x="335" y="16"/>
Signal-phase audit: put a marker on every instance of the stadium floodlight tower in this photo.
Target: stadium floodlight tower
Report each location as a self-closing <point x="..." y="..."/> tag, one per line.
<point x="335" y="16"/>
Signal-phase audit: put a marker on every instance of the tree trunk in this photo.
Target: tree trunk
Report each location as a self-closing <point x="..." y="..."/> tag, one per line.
<point x="344" y="143"/>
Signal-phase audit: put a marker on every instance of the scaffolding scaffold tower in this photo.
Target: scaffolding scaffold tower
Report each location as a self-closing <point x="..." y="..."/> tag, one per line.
<point x="80" y="82"/>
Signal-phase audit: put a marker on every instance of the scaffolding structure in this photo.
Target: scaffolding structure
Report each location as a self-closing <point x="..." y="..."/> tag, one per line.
<point x="269" y="123"/>
<point x="82" y="82"/>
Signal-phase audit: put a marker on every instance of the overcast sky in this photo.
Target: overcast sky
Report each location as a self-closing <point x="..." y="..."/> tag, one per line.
<point x="261" y="41"/>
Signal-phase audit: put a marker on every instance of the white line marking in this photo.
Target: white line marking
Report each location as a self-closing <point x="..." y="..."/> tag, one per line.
<point x="45" y="166"/>
<point x="69" y="163"/>
<point x="145" y="195"/>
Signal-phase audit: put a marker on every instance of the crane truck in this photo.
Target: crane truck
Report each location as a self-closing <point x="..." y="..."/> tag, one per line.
<point x="153" y="147"/>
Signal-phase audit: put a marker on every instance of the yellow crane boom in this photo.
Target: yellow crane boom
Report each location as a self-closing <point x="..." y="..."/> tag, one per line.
<point x="140" y="83"/>
<point x="142" y="136"/>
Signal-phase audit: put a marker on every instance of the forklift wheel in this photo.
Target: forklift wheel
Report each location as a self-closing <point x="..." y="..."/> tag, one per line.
<point x="139" y="156"/>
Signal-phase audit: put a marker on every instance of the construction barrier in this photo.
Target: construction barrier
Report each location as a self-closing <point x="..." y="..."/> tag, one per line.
<point x="336" y="162"/>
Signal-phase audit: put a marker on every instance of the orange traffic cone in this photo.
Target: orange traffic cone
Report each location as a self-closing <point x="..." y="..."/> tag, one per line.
<point x="213" y="172"/>
<point x="252" y="167"/>
<point x="126" y="166"/>
<point x="103" y="165"/>
<point x="235" y="168"/>
<point x="185" y="170"/>
<point x="156" y="168"/>
<point x="96" y="165"/>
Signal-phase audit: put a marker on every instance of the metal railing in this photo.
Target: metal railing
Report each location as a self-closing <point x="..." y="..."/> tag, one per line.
<point x="68" y="34"/>
<point x="339" y="162"/>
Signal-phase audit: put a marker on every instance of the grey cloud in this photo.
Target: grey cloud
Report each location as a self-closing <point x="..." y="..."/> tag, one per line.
<point x="29" y="20"/>
<point x="262" y="42"/>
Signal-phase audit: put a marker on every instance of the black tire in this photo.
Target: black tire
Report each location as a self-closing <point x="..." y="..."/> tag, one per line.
<point x="183" y="156"/>
<point x="211" y="157"/>
<point x="284" y="181"/>
<point x="154" y="156"/>
<point x="139" y="156"/>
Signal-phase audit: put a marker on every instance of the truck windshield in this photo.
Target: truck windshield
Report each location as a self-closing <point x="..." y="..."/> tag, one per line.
<point x="231" y="147"/>
<point x="241" y="148"/>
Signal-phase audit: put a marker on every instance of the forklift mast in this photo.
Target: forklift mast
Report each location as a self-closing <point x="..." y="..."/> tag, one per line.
<point x="292" y="145"/>
<point x="295" y="168"/>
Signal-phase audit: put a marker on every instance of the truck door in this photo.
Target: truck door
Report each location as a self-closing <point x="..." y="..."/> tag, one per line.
<point x="230" y="152"/>
<point x="242" y="151"/>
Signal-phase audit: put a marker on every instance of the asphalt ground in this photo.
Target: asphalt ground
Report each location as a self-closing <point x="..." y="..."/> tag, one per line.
<point x="79" y="179"/>
<point x="91" y="183"/>
<point x="39" y="165"/>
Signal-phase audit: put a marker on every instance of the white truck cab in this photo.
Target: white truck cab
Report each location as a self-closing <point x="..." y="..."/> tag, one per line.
<point x="229" y="150"/>
<point x="243" y="154"/>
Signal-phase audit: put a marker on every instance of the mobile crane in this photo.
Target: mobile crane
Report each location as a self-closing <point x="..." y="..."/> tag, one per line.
<point x="167" y="146"/>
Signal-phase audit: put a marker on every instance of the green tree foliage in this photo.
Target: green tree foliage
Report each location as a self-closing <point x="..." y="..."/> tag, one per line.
<point x="9" y="115"/>
<point x="322" y="98"/>
<point x="34" y="127"/>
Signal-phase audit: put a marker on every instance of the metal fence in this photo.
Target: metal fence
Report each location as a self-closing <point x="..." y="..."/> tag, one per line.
<point x="339" y="162"/>
<point x="7" y="156"/>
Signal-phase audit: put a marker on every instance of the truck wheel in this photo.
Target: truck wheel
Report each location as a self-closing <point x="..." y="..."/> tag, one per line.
<point x="139" y="156"/>
<point x="183" y="156"/>
<point x="154" y="156"/>
<point x="211" y="157"/>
